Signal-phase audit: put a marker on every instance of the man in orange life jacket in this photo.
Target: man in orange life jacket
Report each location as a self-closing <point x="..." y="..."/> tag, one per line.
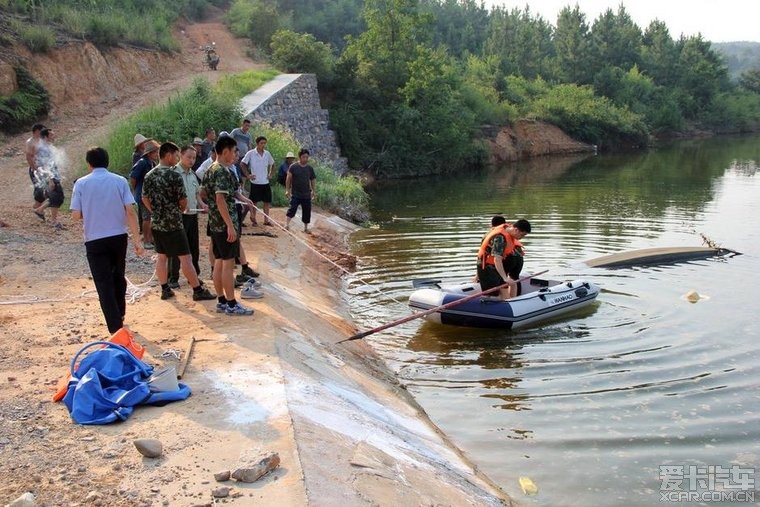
<point x="500" y="258"/>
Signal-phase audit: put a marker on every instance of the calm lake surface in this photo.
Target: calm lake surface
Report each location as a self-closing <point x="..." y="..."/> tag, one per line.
<point x="589" y="407"/>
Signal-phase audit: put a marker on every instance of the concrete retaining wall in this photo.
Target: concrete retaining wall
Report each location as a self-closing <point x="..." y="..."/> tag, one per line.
<point x="292" y="101"/>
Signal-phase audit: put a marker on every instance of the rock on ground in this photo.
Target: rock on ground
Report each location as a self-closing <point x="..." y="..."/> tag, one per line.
<point x="149" y="447"/>
<point x="253" y="470"/>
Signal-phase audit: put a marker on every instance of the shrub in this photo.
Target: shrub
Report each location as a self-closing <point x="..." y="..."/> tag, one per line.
<point x="27" y="105"/>
<point x="256" y="20"/>
<point x="301" y="52"/>
<point x="39" y="39"/>
<point x="592" y="119"/>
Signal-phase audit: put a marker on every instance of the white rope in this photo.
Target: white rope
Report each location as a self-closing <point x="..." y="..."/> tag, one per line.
<point x="133" y="294"/>
<point x="320" y="254"/>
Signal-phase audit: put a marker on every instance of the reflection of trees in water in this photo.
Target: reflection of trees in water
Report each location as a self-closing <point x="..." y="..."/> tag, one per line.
<point x="499" y="351"/>
<point x="482" y="349"/>
<point x="642" y="185"/>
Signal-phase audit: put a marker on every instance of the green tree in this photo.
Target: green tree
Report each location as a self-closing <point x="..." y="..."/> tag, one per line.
<point x="459" y="25"/>
<point x="615" y="41"/>
<point x="434" y="129"/>
<point x="302" y="52"/>
<point x="659" y="55"/>
<point x="257" y="20"/>
<point x="522" y="42"/>
<point x="395" y="28"/>
<point x="572" y="46"/>
<point x="702" y="75"/>
<point x="750" y="80"/>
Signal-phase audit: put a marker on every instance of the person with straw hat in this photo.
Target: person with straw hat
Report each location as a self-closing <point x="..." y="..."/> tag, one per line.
<point x="282" y="171"/>
<point x="139" y="144"/>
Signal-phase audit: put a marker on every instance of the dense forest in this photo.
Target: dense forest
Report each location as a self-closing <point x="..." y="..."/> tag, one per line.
<point x="410" y="82"/>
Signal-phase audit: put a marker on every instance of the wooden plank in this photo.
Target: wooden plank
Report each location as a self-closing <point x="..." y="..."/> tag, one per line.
<point x="186" y="358"/>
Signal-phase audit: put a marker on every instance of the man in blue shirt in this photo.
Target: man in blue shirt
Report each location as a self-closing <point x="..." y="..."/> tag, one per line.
<point x="103" y="201"/>
<point x="136" y="178"/>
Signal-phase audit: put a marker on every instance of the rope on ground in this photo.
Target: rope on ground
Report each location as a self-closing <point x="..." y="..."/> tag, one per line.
<point x="323" y="256"/>
<point x="134" y="293"/>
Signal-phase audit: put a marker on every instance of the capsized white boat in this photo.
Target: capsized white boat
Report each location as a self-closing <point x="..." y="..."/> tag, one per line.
<point x="539" y="300"/>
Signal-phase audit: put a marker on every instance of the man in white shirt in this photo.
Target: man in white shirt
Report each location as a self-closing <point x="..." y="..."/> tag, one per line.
<point x="257" y="166"/>
<point x="104" y="202"/>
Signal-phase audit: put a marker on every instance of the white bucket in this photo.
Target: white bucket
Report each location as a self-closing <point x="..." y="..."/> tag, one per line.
<point x="164" y="380"/>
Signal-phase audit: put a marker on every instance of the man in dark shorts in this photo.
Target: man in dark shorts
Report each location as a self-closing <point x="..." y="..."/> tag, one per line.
<point x="220" y="187"/>
<point x="300" y="188"/>
<point x="257" y="166"/>
<point x="500" y="258"/>
<point x="164" y="195"/>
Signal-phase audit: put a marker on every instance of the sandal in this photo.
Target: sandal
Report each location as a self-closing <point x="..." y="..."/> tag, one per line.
<point x="41" y="216"/>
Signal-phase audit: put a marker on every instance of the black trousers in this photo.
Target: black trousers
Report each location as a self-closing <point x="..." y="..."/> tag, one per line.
<point x="107" y="259"/>
<point x="190" y="224"/>
<point x="489" y="277"/>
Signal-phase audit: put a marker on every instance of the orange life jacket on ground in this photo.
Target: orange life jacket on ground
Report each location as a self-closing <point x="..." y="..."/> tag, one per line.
<point x="484" y="254"/>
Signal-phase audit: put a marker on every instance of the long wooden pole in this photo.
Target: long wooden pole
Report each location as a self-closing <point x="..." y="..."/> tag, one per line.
<point x="361" y="335"/>
<point x="186" y="359"/>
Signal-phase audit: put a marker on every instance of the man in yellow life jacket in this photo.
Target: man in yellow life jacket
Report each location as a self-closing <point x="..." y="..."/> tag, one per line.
<point x="500" y="258"/>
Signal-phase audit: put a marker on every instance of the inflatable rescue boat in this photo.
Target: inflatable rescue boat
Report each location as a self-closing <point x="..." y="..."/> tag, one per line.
<point x="539" y="300"/>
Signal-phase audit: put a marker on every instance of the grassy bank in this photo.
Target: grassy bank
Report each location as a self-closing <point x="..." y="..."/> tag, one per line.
<point x="105" y="22"/>
<point x="190" y="112"/>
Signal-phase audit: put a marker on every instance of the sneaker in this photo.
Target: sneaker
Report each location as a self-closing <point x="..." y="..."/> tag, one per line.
<point x="173" y="285"/>
<point x="241" y="279"/>
<point x="251" y="293"/>
<point x="246" y="270"/>
<point x="203" y="295"/>
<point x="221" y="307"/>
<point x="167" y="293"/>
<point x="253" y="283"/>
<point x="238" y="309"/>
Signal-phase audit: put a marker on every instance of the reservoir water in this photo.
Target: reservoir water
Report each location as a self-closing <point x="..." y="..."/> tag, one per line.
<point x="594" y="406"/>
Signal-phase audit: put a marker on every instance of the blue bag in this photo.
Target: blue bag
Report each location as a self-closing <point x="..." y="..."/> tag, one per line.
<point x="109" y="383"/>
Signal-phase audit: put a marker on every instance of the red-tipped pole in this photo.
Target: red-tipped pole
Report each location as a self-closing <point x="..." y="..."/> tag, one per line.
<point x="361" y="335"/>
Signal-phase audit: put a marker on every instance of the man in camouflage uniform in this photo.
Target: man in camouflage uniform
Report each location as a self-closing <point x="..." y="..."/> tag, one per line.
<point x="164" y="195"/>
<point x="221" y="189"/>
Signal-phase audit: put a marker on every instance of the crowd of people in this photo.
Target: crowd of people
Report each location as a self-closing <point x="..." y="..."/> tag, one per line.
<point x="168" y="186"/>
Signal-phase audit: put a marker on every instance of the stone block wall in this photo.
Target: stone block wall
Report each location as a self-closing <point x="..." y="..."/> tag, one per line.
<point x="292" y="101"/>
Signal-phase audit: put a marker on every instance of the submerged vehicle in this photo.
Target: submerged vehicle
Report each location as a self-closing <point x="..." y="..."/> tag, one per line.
<point x="539" y="300"/>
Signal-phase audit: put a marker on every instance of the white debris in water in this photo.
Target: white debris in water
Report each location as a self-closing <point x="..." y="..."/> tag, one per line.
<point x="253" y="395"/>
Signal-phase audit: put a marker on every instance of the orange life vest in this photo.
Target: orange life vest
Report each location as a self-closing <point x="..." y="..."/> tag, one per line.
<point x="484" y="254"/>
